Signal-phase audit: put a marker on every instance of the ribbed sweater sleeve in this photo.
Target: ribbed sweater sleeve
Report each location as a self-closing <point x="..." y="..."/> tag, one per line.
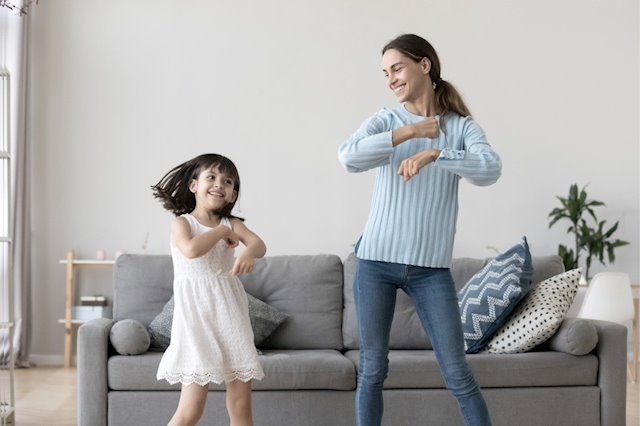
<point x="370" y="146"/>
<point x="477" y="162"/>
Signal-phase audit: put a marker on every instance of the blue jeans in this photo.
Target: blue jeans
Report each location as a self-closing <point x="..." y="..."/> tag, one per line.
<point x="434" y="295"/>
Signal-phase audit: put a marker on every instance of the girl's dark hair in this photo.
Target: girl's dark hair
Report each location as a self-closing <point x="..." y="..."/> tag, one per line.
<point x="173" y="189"/>
<point x="417" y="48"/>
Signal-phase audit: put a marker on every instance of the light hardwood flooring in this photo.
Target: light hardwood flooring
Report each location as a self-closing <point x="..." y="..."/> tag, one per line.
<point x="47" y="396"/>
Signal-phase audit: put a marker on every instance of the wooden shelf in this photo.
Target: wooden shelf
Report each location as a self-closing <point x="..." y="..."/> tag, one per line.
<point x="73" y="321"/>
<point x="70" y="324"/>
<point x="89" y="262"/>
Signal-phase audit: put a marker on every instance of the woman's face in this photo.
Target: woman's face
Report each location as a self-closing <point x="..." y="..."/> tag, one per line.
<point x="406" y="78"/>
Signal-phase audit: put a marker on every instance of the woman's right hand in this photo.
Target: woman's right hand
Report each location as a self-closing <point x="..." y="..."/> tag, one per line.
<point x="427" y="128"/>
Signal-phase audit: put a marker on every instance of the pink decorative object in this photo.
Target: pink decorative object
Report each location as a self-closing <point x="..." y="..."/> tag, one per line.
<point x="119" y="252"/>
<point x="101" y="255"/>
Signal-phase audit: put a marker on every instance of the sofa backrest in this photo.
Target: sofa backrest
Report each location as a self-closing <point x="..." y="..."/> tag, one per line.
<point x="307" y="288"/>
<point x="406" y="329"/>
<point x="142" y="284"/>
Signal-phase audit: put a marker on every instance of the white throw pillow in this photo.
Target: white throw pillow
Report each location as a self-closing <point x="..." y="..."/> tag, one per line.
<point x="538" y="316"/>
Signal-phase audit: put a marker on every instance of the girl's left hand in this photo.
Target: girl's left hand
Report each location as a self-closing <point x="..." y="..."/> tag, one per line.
<point x="231" y="242"/>
<point x="243" y="264"/>
<point x="412" y="165"/>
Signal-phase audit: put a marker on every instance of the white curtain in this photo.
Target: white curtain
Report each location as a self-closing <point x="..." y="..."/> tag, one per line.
<point x="14" y="62"/>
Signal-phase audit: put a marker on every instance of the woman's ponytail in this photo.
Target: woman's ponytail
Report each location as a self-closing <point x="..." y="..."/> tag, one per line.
<point x="448" y="99"/>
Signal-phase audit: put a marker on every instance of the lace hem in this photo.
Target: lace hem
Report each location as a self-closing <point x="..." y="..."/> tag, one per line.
<point x="216" y="377"/>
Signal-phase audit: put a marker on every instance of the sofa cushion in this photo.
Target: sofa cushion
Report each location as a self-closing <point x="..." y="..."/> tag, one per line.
<point x="129" y="337"/>
<point x="464" y="268"/>
<point x="538" y="316"/>
<point x="576" y="336"/>
<point x="306" y="288"/>
<point x="406" y="329"/>
<point x="160" y="327"/>
<point x="284" y="369"/>
<point x="142" y="285"/>
<point x="264" y="320"/>
<point x="492" y="294"/>
<point x="309" y="290"/>
<point x="419" y="369"/>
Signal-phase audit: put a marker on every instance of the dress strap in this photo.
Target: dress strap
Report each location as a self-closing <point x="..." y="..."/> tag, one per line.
<point x="193" y="223"/>
<point x="226" y="222"/>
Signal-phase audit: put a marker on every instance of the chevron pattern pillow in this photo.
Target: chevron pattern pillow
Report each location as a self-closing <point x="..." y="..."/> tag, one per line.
<point x="490" y="296"/>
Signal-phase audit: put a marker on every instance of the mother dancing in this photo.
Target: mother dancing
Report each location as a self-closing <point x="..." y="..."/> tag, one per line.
<point x="420" y="149"/>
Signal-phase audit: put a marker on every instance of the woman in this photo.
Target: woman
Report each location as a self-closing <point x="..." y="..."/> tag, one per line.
<point x="420" y="149"/>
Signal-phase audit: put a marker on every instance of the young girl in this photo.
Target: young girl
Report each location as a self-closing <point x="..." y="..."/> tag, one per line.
<point x="211" y="336"/>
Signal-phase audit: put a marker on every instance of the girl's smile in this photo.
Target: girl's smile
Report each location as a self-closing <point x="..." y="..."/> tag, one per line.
<point x="213" y="188"/>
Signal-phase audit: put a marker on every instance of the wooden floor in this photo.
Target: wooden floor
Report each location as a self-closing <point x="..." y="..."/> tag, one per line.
<point x="47" y="396"/>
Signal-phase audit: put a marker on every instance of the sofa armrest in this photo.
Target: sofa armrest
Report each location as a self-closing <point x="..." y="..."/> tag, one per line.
<point x="93" y="352"/>
<point x="612" y="372"/>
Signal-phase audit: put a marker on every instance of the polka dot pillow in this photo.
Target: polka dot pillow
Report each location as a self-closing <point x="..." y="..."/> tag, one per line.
<point x="538" y="316"/>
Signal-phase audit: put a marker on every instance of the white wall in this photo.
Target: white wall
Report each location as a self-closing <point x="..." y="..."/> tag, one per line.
<point x="122" y="91"/>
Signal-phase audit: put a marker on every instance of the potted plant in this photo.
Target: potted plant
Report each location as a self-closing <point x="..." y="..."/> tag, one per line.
<point x="594" y="241"/>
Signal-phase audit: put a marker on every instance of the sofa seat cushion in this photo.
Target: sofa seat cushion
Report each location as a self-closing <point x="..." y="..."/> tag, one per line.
<point x="283" y="368"/>
<point x="419" y="369"/>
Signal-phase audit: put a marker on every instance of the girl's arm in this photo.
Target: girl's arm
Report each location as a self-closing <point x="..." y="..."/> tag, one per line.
<point x="254" y="248"/>
<point x="192" y="247"/>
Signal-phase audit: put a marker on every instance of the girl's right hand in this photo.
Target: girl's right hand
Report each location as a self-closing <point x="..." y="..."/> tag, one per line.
<point x="231" y="238"/>
<point x="427" y="128"/>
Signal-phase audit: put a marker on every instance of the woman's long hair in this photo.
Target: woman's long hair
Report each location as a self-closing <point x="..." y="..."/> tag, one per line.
<point x="173" y="189"/>
<point x="417" y="48"/>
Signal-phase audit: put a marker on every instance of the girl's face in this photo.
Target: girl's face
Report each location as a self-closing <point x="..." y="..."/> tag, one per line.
<point x="407" y="79"/>
<point x="213" y="189"/>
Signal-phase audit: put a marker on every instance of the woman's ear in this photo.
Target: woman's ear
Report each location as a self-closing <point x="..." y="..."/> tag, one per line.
<point x="235" y="196"/>
<point x="425" y="64"/>
<point x="193" y="185"/>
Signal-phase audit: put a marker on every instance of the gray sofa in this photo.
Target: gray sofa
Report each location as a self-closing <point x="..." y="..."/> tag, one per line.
<point x="310" y="362"/>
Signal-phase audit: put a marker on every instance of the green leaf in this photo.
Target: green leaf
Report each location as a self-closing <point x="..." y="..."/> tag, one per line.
<point x="611" y="230"/>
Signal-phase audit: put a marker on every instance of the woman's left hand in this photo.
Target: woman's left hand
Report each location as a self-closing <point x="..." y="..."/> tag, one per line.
<point x="243" y="264"/>
<point x="412" y="165"/>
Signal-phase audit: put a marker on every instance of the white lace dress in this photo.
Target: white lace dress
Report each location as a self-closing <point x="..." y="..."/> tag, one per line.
<point x="211" y="336"/>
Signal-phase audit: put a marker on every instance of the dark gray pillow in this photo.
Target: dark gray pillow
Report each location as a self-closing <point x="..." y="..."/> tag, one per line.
<point x="264" y="321"/>
<point x="129" y="337"/>
<point x="160" y="327"/>
<point x="576" y="336"/>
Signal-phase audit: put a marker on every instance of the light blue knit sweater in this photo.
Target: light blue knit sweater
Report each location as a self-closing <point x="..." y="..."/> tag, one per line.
<point x="414" y="222"/>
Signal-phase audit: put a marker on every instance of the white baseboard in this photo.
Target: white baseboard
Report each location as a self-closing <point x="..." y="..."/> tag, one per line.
<point x="48" y="359"/>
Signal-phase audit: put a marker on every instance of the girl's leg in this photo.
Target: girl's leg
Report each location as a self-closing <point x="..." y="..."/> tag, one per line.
<point x="239" y="403"/>
<point x="375" y="296"/>
<point x="435" y="297"/>
<point x="191" y="405"/>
